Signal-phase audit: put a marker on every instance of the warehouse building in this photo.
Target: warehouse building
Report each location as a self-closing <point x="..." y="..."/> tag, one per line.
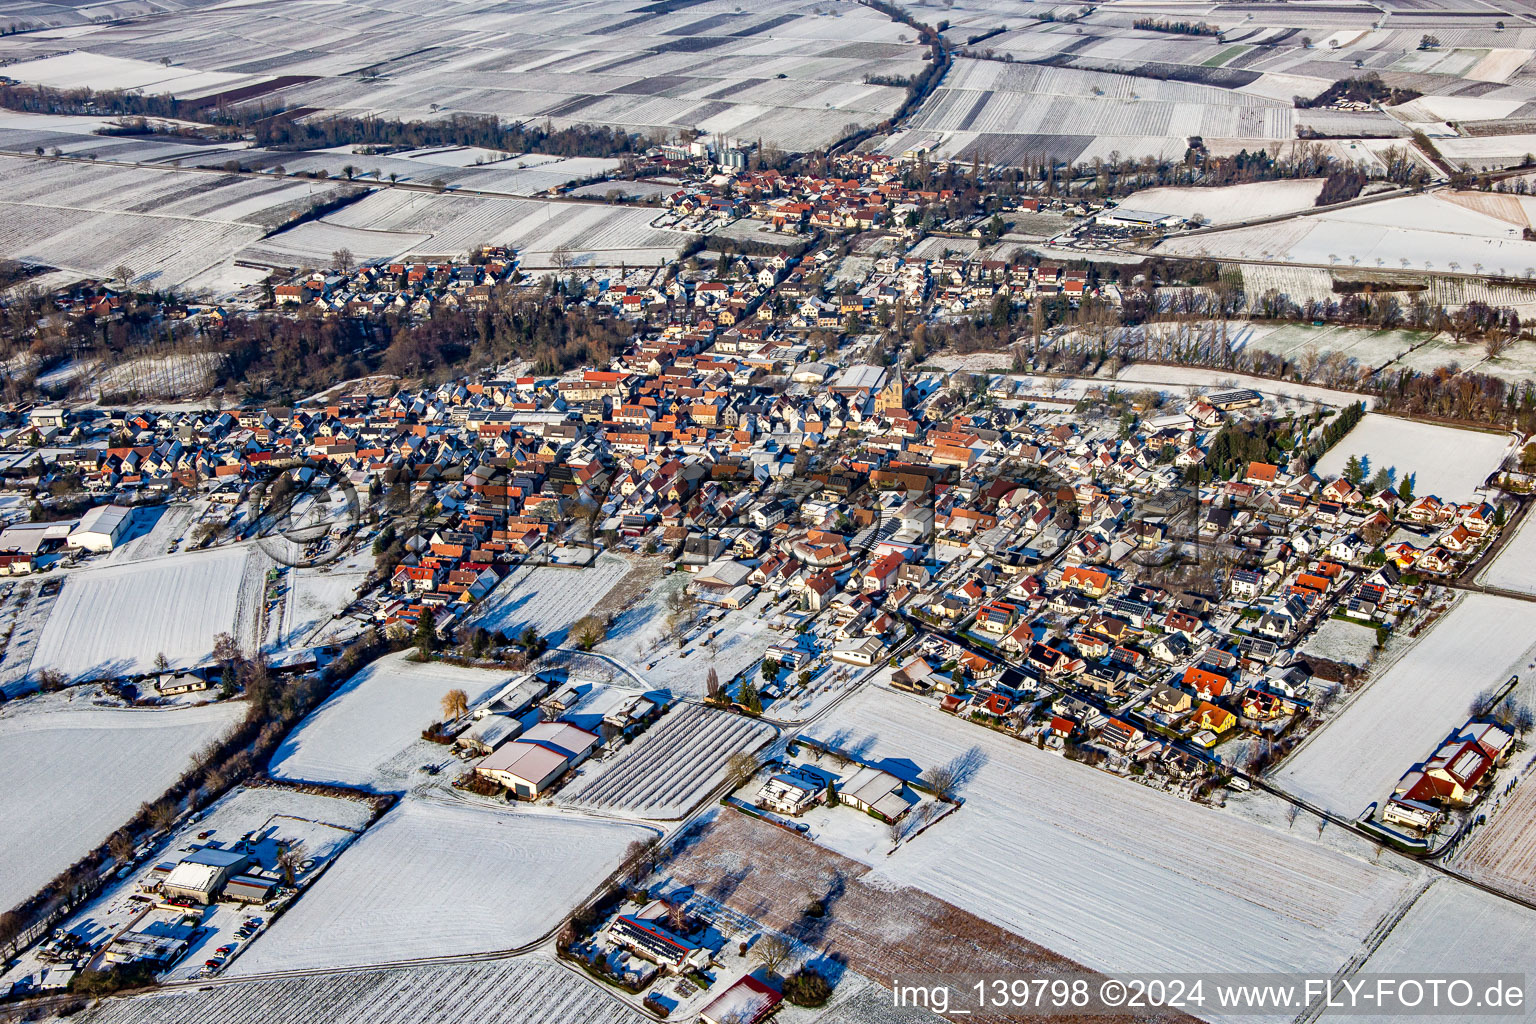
<point x="201" y="875"/>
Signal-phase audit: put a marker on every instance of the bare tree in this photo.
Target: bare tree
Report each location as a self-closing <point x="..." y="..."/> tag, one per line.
<point x="455" y="705"/>
<point x="120" y="845"/>
<point x="942" y="780"/>
<point x="589" y="632"/>
<point x="341" y="259"/>
<point x="1292" y="812"/>
<point x="771" y="952"/>
<point x="740" y="768"/>
<point x="123" y="273"/>
<point x="162" y="663"/>
<point x="291" y="859"/>
<point x="163" y="814"/>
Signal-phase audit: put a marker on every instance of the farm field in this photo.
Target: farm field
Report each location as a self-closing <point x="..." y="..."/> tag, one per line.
<point x="793" y="75"/>
<point x="56" y="813"/>
<point x="315" y="596"/>
<point x="524" y="988"/>
<point x="665" y="772"/>
<point x="1502" y="853"/>
<point x="1444" y="461"/>
<point x="174" y="605"/>
<point x="437" y="879"/>
<point x="1396" y="722"/>
<point x="1105" y="871"/>
<point x="356" y="737"/>
<point x="1418" y="232"/>
<point x="549" y="599"/>
<point x="395" y="223"/>
<point x="168" y="227"/>
<point x="761" y="874"/>
<point x="1515" y="566"/>
<point x="1202" y="377"/>
<point x="1493" y="935"/>
<point x="1008" y="113"/>
<point x="1228" y="203"/>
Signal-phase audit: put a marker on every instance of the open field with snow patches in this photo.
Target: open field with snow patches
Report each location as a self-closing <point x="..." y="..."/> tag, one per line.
<point x="1418" y="232"/>
<point x="1112" y="874"/>
<point x="1444" y="461"/>
<point x="1396" y="722"/>
<point x="1454" y="929"/>
<point x="1347" y="643"/>
<point x="1228" y="203"/>
<point x="1514" y="568"/>
<point x="173" y="605"/>
<point x="548" y="598"/>
<point x="665" y="772"/>
<point x="525" y="988"/>
<point x="395" y="223"/>
<point x="72" y="774"/>
<point x="793" y="75"/>
<point x="169" y="227"/>
<point x="434" y="880"/>
<point x="356" y="737"/>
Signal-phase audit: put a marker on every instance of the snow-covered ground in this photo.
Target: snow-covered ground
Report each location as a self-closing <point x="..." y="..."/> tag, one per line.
<point x="1348" y="643"/>
<point x="70" y="774"/>
<point x="1396" y="722"/>
<point x="315" y="595"/>
<point x="519" y="989"/>
<point x="549" y="599"/>
<point x="1454" y="929"/>
<point x="1228" y="204"/>
<point x="1109" y="872"/>
<point x="1418" y="232"/>
<point x="356" y="737"/>
<point x="670" y="768"/>
<point x="1515" y="567"/>
<point x="1202" y="377"/>
<point x="117" y="619"/>
<point x="1444" y="461"/>
<point x="438" y="879"/>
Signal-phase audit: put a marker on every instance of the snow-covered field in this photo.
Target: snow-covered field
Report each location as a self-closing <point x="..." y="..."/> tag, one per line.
<point x="1455" y="929"/>
<point x="670" y="768"/>
<point x="549" y="599"/>
<point x="395" y="222"/>
<point x="171" y="376"/>
<point x="1108" y="872"/>
<point x="522" y="989"/>
<point x="1444" y="461"/>
<point x="1348" y="643"/>
<point x="70" y="774"/>
<point x="1203" y="377"/>
<point x="117" y="619"/>
<point x="315" y="596"/>
<point x="1400" y="717"/>
<point x="438" y="879"/>
<point x="1228" y="203"/>
<point x="1419" y="232"/>
<point x="354" y="738"/>
<point x="1515" y="567"/>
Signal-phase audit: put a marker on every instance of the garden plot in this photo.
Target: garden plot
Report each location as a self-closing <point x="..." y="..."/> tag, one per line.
<point x="730" y="642"/>
<point x="1228" y="203"/>
<point x="1108" y="872"/>
<point x="439" y="879"/>
<point x="1347" y="643"/>
<point x="527" y="988"/>
<point x="549" y="598"/>
<point x="357" y="736"/>
<point x="664" y="773"/>
<point x="1358" y="756"/>
<point x="1491" y="935"/>
<point x="1515" y="566"/>
<point x="55" y="810"/>
<point x="1444" y="461"/>
<point x="117" y="620"/>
